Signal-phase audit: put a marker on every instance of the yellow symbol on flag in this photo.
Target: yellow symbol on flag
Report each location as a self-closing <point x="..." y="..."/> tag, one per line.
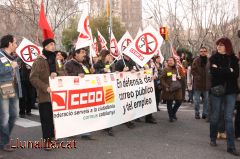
<point x="109" y="94"/>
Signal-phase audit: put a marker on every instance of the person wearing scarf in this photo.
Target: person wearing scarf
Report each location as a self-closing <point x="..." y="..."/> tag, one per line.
<point x="201" y="84"/>
<point x="43" y="67"/>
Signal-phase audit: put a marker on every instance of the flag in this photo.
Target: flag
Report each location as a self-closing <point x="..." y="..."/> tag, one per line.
<point x="176" y="57"/>
<point x="28" y="51"/>
<point x="181" y="68"/>
<point x="85" y="32"/>
<point x="94" y="49"/>
<point x="114" y="51"/>
<point x="144" y="46"/>
<point x="102" y="41"/>
<point x="43" y="24"/>
<point x="125" y="41"/>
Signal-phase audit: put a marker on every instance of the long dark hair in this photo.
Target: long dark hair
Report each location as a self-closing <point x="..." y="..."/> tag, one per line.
<point x="227" y="43"/>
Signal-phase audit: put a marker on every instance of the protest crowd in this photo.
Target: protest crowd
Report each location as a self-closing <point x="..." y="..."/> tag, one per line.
<point x="209" y="78"/>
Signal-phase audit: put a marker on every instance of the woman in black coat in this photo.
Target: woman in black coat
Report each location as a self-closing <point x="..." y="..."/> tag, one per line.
<point x="224" y="71"/>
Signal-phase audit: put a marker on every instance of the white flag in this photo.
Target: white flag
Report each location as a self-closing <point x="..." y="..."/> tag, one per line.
<point x="114" y="46"/>
<point x="145" y="45"/>
<point x="102" y="41"/>
<point x="28" y="51"/>
<point x="94" y="49"/>
<point x="85" y="33"/>
<point x="125" y="41"/>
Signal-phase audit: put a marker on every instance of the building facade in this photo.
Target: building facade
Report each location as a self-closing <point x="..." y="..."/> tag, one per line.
<point x="128" y="11"/>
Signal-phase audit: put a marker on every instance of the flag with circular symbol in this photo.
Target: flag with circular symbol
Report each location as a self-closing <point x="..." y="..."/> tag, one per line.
<point x="144" y="46"/>
<point x="28" y="51"/>
<point x="114" y="50"/>
<point x="125" y="41"/>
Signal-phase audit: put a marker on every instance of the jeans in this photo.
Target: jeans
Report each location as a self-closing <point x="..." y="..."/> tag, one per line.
<point x="8" y="116"/>
<point x="228" y="115"/>
<point x="197" y="102"/>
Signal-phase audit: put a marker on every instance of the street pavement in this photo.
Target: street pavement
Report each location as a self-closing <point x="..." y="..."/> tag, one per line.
<point x="186" y="138"/>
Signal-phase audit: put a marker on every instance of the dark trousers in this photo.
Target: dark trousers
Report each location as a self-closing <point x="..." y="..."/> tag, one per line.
<point x="29" y="98"/>
<point x="46" y="117"/>
<point x="172" y="110"/>
<point x="157" y="95"/>
<point x="237" y="121"/>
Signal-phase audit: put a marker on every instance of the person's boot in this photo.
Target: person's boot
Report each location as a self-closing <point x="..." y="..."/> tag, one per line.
<point x="233" y="151"/>
<point x="197" y="116"/>
<point x="151" y="120"/>
<point x="130" y="125"/>
<point x="213" y="143"/>
<point x="175" y="117"/>
<point x="110" y="132"/>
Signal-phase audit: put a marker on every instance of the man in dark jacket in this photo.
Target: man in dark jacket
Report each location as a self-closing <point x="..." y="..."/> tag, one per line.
<point x="27" y="102"/>
<point x="75" y="67"/>
<point x="43" y="67"/>
<point x="201" y="82"/>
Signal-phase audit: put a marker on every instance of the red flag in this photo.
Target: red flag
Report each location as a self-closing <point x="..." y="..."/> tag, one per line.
<point x="176" y="57"/>
<point x="178" y="60"/>
<point x="43" y="24"/>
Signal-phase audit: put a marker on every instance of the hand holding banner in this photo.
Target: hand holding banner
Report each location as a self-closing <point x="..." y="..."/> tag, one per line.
<point x="100" y="101"/>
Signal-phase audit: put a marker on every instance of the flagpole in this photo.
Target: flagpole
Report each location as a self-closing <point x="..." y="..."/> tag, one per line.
<point x="110" y="21"/>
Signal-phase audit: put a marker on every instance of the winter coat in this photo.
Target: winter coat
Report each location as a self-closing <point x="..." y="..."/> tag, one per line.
<point x="39" y="77"/>
<point x="222" y="75"/>
<point x="166" y="80"/>
<point x="201" y="75"/>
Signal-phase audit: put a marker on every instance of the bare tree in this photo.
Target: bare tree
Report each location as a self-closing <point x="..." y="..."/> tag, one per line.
<point x="25" y="16"/>
<point x="197" y="22"/>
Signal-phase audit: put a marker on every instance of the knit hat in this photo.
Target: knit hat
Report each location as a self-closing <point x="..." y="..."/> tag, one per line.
<point x="46" y="42"/>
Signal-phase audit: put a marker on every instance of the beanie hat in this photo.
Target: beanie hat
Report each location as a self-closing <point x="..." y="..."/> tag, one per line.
<point x="46" y="42"/>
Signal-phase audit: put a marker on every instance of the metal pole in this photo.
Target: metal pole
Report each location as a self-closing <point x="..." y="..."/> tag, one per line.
<point x="110" y="22"/>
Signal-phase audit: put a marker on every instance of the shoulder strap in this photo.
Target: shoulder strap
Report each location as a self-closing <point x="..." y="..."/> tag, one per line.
<point x="2" y="53"/>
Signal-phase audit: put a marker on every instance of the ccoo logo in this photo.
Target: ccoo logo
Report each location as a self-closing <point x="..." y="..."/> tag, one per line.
<point x="59" y="100"/>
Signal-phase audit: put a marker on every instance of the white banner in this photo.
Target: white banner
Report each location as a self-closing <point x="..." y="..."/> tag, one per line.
<point x="96" y="102"/>
<point x="145" y="45"/>
<point x="28" y="51"/>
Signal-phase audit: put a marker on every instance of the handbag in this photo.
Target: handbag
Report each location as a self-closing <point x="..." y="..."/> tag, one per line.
<point x="175" y="85"/>
<point x="218" y="90"/>
<point x="7" y="90"/>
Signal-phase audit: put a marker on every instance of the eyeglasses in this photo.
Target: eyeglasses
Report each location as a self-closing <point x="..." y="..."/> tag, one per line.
<point x="204" y="51"/>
